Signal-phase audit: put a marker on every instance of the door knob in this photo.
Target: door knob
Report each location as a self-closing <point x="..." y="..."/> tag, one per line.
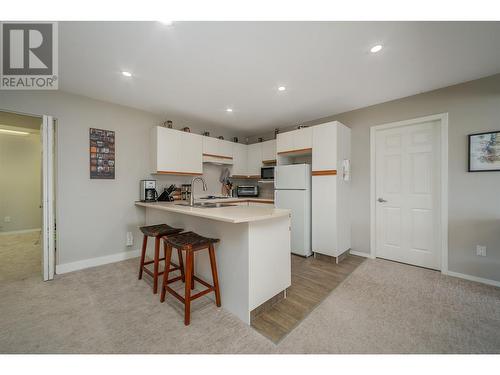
<point x="381" y="200"/>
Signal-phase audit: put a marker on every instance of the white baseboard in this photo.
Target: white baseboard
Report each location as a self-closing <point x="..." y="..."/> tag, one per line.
<point x="360" y="254"/>
<point x="472" y="278"/>
<point x="21" y="231"/>
<point x="93" y="262"/>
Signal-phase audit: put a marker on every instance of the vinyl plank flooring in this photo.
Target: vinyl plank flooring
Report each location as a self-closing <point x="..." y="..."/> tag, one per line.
<point x="312" y="281"/>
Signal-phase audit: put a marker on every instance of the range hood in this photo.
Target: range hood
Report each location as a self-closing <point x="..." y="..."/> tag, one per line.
<point x="217" y="159"/>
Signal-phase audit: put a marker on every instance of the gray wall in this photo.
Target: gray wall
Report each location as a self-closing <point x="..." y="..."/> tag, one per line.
<point x="20" y="182"/>
<point x="93" y="216"/>
<point x="474" y="198"/>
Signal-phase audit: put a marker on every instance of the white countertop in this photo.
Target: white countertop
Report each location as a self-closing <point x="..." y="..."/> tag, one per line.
<point x="232" y="214"/>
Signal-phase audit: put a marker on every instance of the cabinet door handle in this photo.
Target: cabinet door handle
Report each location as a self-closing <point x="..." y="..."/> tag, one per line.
<point x="381" y="200"/>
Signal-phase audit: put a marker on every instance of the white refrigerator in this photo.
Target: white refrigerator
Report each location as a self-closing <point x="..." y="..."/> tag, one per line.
<point x="292" y="184"/>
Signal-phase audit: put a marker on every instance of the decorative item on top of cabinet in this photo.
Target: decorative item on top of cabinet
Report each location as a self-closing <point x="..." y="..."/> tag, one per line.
<point x="206" y="134"/>
<point x="221" y="137"/>
<point x="186" y="129"/>
<point x="260" y="139"/>
<point x="235" y="139"/>
<point x="168" y="124"/>
<point x="276" y="132"/>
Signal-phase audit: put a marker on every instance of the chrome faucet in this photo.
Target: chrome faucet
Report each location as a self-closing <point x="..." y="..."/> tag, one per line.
<point x="191" y="198"/>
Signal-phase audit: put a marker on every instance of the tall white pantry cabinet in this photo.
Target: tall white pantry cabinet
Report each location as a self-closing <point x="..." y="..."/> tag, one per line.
<point x="331" y="154"/>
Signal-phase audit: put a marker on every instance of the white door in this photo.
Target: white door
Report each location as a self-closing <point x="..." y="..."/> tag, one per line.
<point x="407" y="194"/>
<point x="48" y="222"/>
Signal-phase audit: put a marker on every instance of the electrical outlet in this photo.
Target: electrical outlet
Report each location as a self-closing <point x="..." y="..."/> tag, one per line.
<point x="6" y="219"/>
<point x="481" y="250"/>
<point x="130" y="239"/>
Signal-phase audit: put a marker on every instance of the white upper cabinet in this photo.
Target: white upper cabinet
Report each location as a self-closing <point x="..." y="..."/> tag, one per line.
<point x="240" y="159"/>
<point x="175" y="152"/>
<point x="269" y="150"/>
<point x="284" y="142"/>
<point x="254" y="159"/>
<point x="299" y="139"/>
<point x="191" y="155"/>
<point x="302" y="138"/>
<point x="324" y="147"/>
<point x="217" y="147"/>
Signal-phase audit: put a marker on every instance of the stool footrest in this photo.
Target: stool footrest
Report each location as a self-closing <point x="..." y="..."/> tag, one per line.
<point x="152" y="261"/>
<point x="150" y="273"/>
<point x="210" y="288"/>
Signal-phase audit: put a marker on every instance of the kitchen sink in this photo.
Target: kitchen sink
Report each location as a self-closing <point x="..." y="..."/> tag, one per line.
<point x="206" y="205"/>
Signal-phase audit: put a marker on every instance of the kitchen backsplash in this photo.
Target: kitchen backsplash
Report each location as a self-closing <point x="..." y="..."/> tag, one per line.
<point x="211" y="174"/>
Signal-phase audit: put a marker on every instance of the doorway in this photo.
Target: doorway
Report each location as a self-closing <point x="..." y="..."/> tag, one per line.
<point x="409" y="167"/>
<point x="27" y="216"/>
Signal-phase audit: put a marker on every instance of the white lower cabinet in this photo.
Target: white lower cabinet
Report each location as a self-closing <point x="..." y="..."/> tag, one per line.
<point x="240" y="203"/>
<point x="324" y="218"/>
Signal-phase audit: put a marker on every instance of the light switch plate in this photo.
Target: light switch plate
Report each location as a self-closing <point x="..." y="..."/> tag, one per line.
<point x="481" y="250"/>
<point x="130" y="239"/>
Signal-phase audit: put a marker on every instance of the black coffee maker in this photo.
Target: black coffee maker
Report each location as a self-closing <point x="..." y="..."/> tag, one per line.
<point x="148" y="191"/>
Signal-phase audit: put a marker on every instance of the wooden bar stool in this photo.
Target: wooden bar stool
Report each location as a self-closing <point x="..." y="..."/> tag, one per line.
<point x="190" y="242"/>
<point x="156" y="231"/>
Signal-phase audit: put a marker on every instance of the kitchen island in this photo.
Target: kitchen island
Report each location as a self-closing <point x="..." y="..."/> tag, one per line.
<point x="253" y="255"/>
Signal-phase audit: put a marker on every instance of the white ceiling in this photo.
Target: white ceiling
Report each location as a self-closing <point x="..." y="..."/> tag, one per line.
<point x="195" y="70"/>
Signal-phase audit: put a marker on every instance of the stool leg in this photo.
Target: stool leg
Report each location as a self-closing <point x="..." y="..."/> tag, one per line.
<point x="143" y="255"/>
<point x="168" y="255"/>
<point x="187" y="294"/>
<point x="215" y="278"/>
<point x="192" y="272"/>
<point x="181" y="264"/>
<point x="156" y="264"/>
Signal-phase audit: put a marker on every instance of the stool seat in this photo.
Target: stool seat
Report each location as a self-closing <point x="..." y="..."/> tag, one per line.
<point x="159" y="230"/>
<point x="190" y="239"/>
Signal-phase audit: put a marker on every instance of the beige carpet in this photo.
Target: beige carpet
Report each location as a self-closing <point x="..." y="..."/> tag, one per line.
<point x="383" y="307"/>
<point x="20" y="256"/>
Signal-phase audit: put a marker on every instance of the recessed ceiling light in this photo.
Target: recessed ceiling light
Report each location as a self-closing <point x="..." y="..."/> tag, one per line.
<point x="13" y="132"/>
<point x="126" y="74"/>
<point x="281" y="88"/>
<point x="167" y="22"/>
<point x="229" y="110"/>
<point x="376" y="48"/>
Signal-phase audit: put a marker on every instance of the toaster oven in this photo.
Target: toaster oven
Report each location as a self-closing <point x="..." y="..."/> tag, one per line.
<point x="247" y="191"/>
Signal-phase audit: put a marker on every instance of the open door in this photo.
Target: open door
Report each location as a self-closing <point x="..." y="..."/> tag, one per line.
<point x="48" y="222"/>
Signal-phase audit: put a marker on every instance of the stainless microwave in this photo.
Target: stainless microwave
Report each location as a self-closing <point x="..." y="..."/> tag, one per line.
<point x="267" y="173"/>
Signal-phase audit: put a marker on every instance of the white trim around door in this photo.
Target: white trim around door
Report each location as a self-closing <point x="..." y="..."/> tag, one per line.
<point x="48" y="198"/>
<point x="443" y="183"/>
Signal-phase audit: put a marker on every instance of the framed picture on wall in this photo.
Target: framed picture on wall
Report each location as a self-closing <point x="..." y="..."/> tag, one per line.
<point x="484" y="152"/>
<point x="102" y="154"/>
